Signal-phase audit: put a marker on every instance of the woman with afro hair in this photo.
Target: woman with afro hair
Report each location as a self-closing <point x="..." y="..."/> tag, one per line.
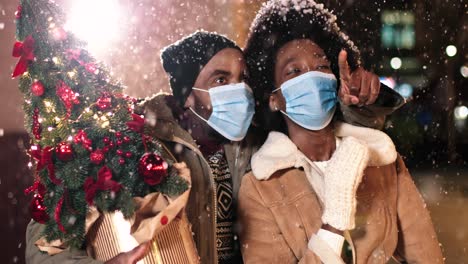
<point x="317" y="182"/>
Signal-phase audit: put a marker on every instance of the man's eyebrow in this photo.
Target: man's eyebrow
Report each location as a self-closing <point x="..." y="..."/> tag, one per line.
<point x="219" y="72"/>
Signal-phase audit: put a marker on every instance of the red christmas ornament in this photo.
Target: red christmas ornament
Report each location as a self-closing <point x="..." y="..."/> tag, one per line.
<point x="106" y="140"/>
<point x="126" y="139"/>
<point x="37" y="88"/>
<point x="128" y="154"/>
<point x="152" y="168"/>
<point x="164" y="220"/>
<point x="105" y="149"/>
<point x="38" y="210"/>
<point x="97" y="156"/>
<point x="118" y="134"/>
<point x="120" y="152"/>
<point x="121" y="161"/>
<point x="105" y="102"/>
<point x="119" y="142"/>
<point x="64" y="151"/>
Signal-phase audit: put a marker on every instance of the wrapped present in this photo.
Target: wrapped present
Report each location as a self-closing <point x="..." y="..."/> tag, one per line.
<point x="158" y="219"/>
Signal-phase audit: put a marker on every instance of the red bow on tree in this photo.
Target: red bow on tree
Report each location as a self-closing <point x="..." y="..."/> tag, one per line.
<point x="44" y="159"/>
<point x="24" y="51"/>
<point x="137" y="124"/>
<point x="103" y="183"/>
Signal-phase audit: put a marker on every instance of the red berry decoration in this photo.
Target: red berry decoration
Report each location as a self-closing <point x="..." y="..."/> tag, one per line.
<point x="128" y="154"/>
<point x="121" y="161"/>
<point x="164" y="220"/>
<point x="118" y="134"/>
<point x="105" y="102"/>
<point x="105" y="149"/>
<point x="38" y="210"/>
<point x="119" y="142"/>
<point x="36" y="127"/>
<point x="120" y="152"/>
<point x="97" y="156"/>
<point x="106" y="140"/>
<point x="126" y="139"/>
<point x="152" y="168"/>
<point x="64" y="151"/>
<point x="37" y="88"/>
<point x="18" y="12"/>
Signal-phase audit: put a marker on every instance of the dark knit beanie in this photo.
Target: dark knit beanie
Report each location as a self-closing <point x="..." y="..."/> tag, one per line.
<point x="281" y="21"/>
<point x="184" y="60"/>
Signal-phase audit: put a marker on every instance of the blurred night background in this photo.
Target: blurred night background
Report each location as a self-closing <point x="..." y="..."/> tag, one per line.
<point x="417" y="47"/>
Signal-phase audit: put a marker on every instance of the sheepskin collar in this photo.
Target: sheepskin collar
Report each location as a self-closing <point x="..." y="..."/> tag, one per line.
<point x="279" y="152"/>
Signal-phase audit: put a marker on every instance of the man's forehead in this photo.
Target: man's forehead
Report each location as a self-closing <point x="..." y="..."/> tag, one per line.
<point x="227" y="61"/>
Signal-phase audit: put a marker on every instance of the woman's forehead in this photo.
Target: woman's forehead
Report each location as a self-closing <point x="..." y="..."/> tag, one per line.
<point x="301" y="46"/>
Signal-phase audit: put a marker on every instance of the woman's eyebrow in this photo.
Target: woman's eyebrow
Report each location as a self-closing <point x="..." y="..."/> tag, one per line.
<point x="289" y="60"/>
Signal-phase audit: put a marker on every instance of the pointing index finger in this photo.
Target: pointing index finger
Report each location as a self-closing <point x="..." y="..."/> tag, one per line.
<point x="343" y="65"/>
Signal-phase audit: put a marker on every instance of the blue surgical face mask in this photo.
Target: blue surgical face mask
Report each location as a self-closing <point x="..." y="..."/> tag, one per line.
<point x="310" y="99"/>
<point x="233" y="109"/>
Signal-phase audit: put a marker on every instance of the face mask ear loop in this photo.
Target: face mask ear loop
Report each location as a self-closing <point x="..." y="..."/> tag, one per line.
<point x="193" y="111"/>
<point x="274" y="91"/>
<point x="201" y="90"/>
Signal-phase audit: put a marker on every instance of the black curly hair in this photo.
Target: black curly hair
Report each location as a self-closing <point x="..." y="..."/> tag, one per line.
<point x="277" y="23"/>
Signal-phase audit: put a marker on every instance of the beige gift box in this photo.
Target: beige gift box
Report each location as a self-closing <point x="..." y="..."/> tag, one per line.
<point x="158" y="219"/>
<point x="110" y="235"/>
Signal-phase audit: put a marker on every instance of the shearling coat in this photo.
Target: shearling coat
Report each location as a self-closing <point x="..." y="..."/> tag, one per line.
<point x="280" y="211"/>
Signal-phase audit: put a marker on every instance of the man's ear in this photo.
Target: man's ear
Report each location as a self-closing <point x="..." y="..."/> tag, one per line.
<point x="190" y="102"/>
<point x="273" y="102"/>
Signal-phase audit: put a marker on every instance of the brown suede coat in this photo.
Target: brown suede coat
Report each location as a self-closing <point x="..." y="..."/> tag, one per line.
<point x="279" y="216"/>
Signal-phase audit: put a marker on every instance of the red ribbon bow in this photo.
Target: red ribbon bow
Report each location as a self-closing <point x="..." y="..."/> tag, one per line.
<point x="44" y="159"/>
<point x="137" y="124"/>
<point x="24" y="51"/>
<point x="103" y="183"/>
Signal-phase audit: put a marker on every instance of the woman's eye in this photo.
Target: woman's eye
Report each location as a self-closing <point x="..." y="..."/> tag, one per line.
<point x="294" y="71"/>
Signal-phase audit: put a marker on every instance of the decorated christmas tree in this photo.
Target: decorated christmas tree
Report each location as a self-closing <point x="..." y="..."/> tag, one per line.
<point x="89" y="148"/>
